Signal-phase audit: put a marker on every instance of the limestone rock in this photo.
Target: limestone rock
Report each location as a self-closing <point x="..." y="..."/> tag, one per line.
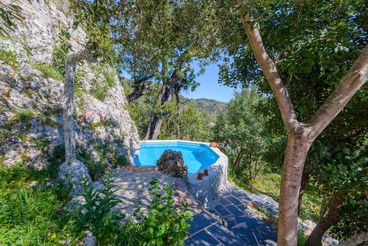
<point x="172" y="163"/>
<point x="72" y="175"/>
<point x="31" y="102"/>
<point x="90" y="239"/>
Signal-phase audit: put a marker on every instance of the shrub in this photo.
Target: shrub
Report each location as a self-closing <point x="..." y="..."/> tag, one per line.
<point x="98" y="216"/>
<point x="163" y="225"/>
<point x="31" y="216"/>
<point x="49" y="71"/>
<point x="8" y="56"/>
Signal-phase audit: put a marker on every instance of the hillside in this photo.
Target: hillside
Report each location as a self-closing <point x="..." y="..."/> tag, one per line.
<point x="210" y="106"/>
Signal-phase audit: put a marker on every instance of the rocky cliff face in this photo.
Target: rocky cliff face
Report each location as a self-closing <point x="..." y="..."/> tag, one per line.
<point x="31" y="94"/>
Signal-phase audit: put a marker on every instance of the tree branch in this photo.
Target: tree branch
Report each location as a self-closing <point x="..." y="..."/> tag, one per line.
<point x="335" y="103"/>
<point x="271" y="74"/>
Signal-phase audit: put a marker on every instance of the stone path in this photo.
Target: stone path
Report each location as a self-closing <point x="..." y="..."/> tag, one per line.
<point x="232" y="222"/>
<point x="133" y="189"/>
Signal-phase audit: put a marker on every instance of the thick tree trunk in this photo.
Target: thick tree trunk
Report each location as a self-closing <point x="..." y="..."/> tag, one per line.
<point x="331" y="218"/>
<point x="68" y="121"/>
<point x="154" y="128"/>
<point x="295" y="156"/>
<point x="303" y="185"/>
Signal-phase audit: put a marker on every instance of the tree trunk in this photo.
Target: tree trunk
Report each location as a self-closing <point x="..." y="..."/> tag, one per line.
<point x="238" y="159"/>
<point x="154" y="128"/>
<point x="356" y="239"/>
<point x="68" y="121"/>
<point x="295" y="156"/>
<point x="303" y="185"/>
<point x="327" y="221"/>
<point x="139" y="87"/>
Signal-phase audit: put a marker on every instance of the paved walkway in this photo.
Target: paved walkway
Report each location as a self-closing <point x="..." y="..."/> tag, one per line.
<point x="232" y="222"/>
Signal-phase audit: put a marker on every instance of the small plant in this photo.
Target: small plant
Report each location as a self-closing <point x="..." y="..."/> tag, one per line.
<point x="42" y="143"/>
<point x="164" y="224"/>
<point x="24" y="115"/>
<point x="49" y="71"/>
<point x="99" y="90"/>
<point x="97" y="215"/>
<point x="8" y="56"/>
<point x="96" y="168"/>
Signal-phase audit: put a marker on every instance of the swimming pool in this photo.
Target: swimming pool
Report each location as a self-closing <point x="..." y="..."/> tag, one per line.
<point x="197" y="156"/>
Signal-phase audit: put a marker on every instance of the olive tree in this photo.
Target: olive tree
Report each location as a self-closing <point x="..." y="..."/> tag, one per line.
<point x="302" y="130"/>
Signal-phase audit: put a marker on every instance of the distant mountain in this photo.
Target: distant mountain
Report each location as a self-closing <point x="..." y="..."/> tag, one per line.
<point x="208" y="105"/>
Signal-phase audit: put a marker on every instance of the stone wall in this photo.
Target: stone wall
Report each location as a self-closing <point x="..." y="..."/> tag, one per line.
<point x="31" y="93"/>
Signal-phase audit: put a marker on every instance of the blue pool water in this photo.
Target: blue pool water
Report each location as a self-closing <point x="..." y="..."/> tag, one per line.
<point x="196" y="156"/>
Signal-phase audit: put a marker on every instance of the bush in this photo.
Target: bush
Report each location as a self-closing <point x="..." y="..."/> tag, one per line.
<point x="31" y="216"/>
<point x="10" y="57"/>
<point x="49" y="71"/>
<point x="163" y="225"/>
<point x="98" y="216"/>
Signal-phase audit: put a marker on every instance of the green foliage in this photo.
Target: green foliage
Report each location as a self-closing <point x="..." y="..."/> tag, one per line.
<point x="97" y="214"/>
<point x="344" y="171"/>
<point x="187" y="123"/>
<point x="105" y="79"/>
<point x="242" y="131"/>
<point x="49" y="71"/>
<point x="99" y="90"/>
<point x="301" y="239"/>
<point x="107" y="155"/>
<point x="95" y="17"/>
<point x="42" y="143"/>
<point x="164" y="224"/>
<point x="60" y="52"/>
<point x="30" y="216"/>
<point x="8" y="56"/>
<point x="24" y="115"/>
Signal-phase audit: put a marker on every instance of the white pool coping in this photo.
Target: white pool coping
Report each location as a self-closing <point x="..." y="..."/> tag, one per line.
<point x="207" y="189"/>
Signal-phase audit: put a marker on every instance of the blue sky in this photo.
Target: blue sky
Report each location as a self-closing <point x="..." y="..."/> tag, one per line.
<point x="209" y="86"/>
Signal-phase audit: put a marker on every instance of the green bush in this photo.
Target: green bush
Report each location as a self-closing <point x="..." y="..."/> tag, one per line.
<point x="31" y="216"/>
<point x="98" y="216"/>
<point x="24" y="115"/>
<point x="10" y="57"/>
<point x="49" y="71"/>
<point x="163" y="225"/>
